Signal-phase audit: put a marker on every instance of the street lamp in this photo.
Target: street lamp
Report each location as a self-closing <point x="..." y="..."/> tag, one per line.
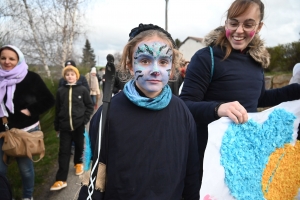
<point x="166" y="22"/>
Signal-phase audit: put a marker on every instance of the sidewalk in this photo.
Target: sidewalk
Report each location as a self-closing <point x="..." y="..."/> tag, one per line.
<point x="68" y="193"/>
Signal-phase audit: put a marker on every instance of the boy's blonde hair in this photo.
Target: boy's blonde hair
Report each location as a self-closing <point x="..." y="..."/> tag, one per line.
<point x="70" y="68"/>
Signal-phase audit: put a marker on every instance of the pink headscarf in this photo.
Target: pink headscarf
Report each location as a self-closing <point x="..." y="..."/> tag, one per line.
<point x="8" y="81"/>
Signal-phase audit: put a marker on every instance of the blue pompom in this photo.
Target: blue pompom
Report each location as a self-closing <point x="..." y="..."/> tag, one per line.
<point x="87" y="153"/>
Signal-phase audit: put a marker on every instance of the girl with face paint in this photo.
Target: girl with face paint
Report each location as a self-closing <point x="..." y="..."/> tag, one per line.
<point x="152" y="63"/>
<point x="152" y="151"/>
<point x="233" y="84"/>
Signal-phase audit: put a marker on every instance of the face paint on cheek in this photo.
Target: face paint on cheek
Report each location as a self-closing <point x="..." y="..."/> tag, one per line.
<point x="228" y="32"/>
<point x="168" y="53"/>
<point x="138" y="74"/>
<point x="138" y="71"/>
<point x="252" y="33"/>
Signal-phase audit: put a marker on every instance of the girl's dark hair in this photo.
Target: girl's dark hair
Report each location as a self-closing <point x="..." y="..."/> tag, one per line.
<point x="237" y="8"/>
<point x="145" y="27"/>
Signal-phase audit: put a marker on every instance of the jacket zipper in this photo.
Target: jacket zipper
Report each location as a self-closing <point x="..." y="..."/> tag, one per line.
<point x="70" y="108"/>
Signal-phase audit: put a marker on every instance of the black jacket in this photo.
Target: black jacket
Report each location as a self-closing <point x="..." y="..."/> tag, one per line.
<point x="30" y="93"/>
<point x="74" y="99"/>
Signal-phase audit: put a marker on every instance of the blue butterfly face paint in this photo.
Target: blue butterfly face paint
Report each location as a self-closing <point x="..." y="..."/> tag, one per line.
<point x="152" y="63"/>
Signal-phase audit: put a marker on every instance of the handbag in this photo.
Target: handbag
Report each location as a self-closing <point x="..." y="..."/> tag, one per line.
<point x="19" y="143"/>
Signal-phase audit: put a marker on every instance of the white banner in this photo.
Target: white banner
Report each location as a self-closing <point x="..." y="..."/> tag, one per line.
<point x="246" y="153"/>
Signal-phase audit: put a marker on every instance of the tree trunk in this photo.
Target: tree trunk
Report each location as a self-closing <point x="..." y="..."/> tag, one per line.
<point x="37" y="43"/>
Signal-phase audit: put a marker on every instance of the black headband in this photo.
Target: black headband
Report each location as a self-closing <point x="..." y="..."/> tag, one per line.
<point x="145" y="27"/>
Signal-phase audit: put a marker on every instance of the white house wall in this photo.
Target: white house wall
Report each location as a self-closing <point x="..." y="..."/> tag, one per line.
<point x="189" y="48"/>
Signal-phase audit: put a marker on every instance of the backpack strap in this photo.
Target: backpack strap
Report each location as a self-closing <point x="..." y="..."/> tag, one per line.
<point x="212" y="63"/>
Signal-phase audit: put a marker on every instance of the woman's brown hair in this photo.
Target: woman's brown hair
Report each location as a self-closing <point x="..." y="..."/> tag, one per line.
<point x="237" y="8"/>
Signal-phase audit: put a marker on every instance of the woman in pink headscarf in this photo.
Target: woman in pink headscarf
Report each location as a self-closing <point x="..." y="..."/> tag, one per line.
<point x="23" y="97"/>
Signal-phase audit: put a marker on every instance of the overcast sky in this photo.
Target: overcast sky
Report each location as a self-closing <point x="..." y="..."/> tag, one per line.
<point x="109" y="22"/>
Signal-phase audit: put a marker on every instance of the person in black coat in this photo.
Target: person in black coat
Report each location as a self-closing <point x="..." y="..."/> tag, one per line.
<point x="73" y="110"/>
<point x="149" y="147"/>
<point x="23" y="98"/>
<point x="230" y="83"/>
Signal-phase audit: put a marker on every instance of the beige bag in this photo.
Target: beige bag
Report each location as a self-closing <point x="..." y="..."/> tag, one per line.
<point x="100" y="180"/>
<point x="19" y="143"/>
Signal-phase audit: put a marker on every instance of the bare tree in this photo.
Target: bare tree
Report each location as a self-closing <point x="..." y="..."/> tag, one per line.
<point x="45" y="30"/>
<point x="118" y="57"/>
<point x="35" y="37"/>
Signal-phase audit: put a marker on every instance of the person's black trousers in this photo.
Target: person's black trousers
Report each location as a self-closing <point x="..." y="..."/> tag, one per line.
<point x="66" y="138"/>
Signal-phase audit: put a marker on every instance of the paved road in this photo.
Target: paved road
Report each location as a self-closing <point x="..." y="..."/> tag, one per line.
<point x="68" y="193"/>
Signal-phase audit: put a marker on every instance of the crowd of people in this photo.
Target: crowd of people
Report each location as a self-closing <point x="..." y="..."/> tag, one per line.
<point x="155" y="136"/>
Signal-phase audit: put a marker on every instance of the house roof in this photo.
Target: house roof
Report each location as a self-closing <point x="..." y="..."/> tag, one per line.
<point x="197" y="39"/>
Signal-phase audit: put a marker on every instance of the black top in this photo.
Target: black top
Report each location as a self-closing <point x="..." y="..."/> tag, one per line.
<point x="152" y="154"/>
<point x="237" y="78"/>
<point x="32" y="94"/>
<point x="74" y="99"/>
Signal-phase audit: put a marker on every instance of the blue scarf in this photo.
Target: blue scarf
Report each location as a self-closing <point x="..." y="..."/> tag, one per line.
<point x="157" y="103"/>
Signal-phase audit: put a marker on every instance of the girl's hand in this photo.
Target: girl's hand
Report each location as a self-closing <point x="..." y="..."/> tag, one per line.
<point x="26" y="112"/>
<point x="235" y="111"/>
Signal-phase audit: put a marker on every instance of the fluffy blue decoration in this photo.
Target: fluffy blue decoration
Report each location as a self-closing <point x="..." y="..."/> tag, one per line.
<point x="246" y="149"/>
<point x="157" y="103"/>
<point x="87" y="154"/>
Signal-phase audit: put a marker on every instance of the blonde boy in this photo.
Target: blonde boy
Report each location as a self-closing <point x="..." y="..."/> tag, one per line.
<point x="73" y="110"/>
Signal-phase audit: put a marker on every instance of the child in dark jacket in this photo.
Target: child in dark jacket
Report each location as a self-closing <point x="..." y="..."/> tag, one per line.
<point x="149" y="147"/>
<point x="73" y="110"/>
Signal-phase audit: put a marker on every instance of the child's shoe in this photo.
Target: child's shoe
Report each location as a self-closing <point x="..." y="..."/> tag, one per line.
<point x="58" y="185"/>
<point x="79" y="169"/>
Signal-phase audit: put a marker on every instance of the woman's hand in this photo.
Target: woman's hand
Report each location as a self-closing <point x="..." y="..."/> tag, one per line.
<point x="26" y="112"/>
<point x="234" y="110"/>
